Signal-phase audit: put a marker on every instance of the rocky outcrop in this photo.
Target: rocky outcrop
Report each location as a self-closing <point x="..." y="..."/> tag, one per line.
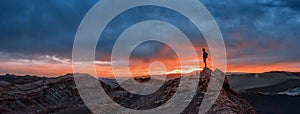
<point x="29" y="94"/>
<point x="228" y="101"/>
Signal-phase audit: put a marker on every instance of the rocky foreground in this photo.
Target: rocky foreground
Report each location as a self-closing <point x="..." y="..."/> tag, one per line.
<point x="30" y="94"/>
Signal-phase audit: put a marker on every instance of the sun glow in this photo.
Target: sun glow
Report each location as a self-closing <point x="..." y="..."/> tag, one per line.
<point x="55" y="66"/>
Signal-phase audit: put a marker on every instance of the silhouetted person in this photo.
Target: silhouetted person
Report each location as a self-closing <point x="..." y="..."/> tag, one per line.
<point x="205" y="55"/>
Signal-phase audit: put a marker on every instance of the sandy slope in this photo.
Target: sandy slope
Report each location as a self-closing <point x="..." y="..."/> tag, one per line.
<point x="250" y="81"/>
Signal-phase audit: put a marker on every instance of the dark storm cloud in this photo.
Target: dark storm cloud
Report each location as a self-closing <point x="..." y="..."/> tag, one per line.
<point x="32" y="28"/>
<point x="255" y="31"/>
<point x="292" y="4"/>
<point x="146" y="50"/>
<point x="40" y="27"/>
<point x="258" y="31"/>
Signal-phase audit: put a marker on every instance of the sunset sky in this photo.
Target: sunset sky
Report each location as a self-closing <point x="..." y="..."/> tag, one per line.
<point x="36" y="37"/>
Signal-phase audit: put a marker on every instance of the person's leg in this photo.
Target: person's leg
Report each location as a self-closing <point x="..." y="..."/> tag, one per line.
<point x="204" y="60"/>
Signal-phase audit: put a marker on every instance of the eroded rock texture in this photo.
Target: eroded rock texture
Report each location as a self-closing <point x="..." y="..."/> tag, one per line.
<point x="30" y="94"/>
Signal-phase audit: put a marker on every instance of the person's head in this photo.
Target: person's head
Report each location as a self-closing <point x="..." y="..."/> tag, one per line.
<point x="203" y="49"/>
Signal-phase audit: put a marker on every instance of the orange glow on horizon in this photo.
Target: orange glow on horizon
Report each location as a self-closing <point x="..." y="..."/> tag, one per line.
<point x="138" y="69"/>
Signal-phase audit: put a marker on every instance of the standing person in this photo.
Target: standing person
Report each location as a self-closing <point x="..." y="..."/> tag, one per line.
<point x="205" y="55"/>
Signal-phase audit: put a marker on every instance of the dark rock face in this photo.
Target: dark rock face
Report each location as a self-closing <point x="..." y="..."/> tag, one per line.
<point x="50" y="95"/>
<point x="37" y="95"/>
<point x="228" y="101"/>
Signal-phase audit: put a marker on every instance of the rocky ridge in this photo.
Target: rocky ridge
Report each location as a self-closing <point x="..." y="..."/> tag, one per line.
<point x="30" y="94"/>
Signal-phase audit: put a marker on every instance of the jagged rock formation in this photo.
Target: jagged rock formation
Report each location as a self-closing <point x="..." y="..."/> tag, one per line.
<point x="229" y="101"/>
<point x="29" y="94"/>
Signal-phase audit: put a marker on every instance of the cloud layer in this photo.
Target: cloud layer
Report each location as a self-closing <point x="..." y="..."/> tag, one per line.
<point x="256" y="32"/>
